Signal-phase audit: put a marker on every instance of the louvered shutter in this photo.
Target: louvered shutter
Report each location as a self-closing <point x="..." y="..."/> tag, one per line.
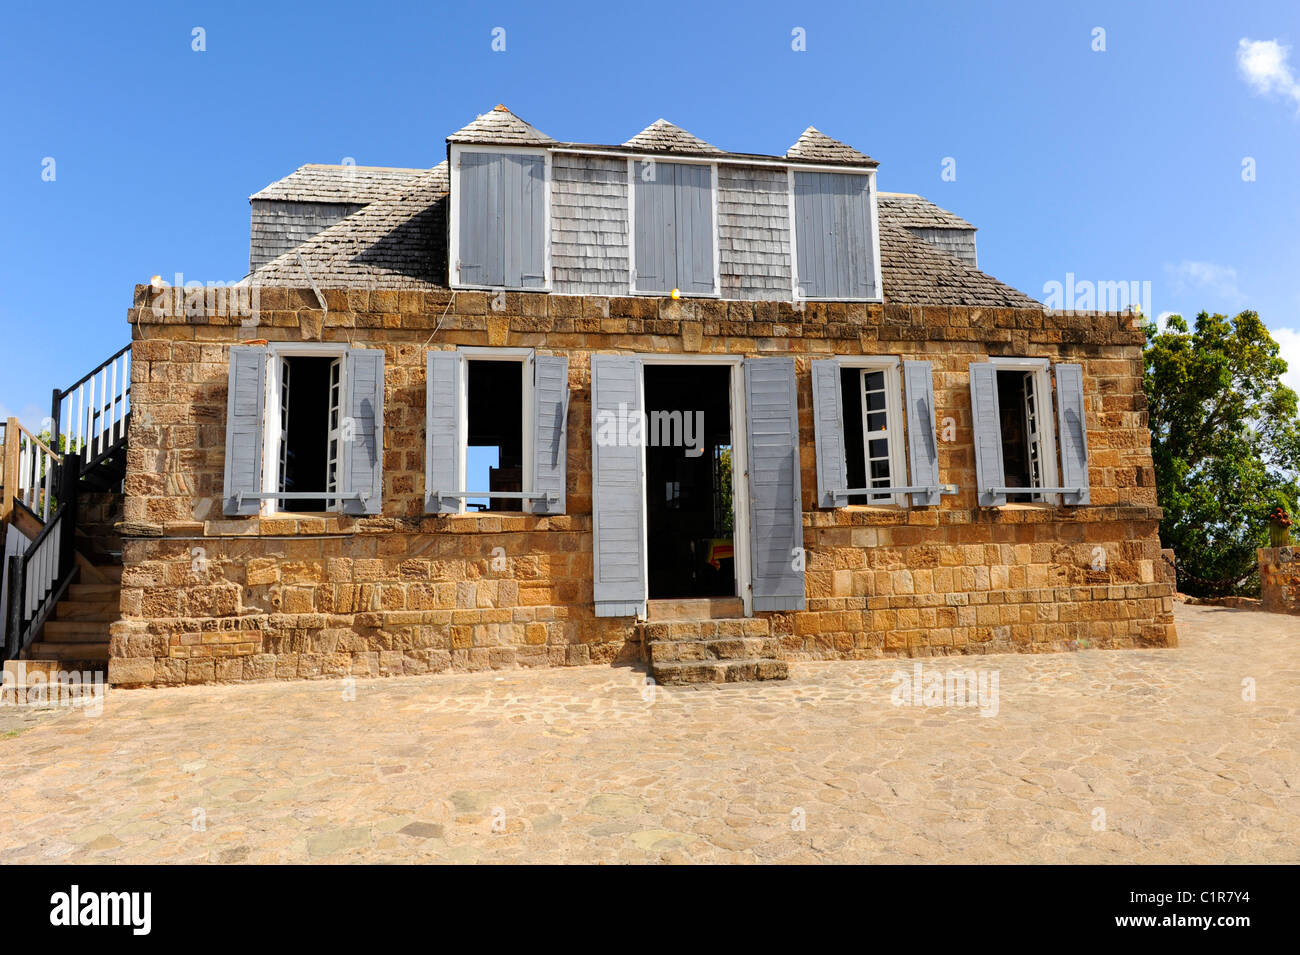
<point x="1072" y="425"/>
<point x="986" y="423"/>
<point x="444" y="373"/>
<point x="362" y="450"/>
<point x="617" y="487"/>
<point x="828" y="429"/>
<point x="550" y="430"/>
<point x="245" y="404"/>
<point x="922" y="442"/>
<point x="775" y="506"/>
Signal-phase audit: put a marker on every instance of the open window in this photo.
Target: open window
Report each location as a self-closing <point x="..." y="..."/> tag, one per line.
<point x="495" y="431"/>
<point x="1019" y="419"/>
<point x="869" y="426"/>
<point x="314" y="414"/>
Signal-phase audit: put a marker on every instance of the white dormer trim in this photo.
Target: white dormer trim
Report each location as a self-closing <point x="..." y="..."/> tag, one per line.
<point x="877" y="278"/>
<point x="632" y="179"/>
<point x="453" y="211"/>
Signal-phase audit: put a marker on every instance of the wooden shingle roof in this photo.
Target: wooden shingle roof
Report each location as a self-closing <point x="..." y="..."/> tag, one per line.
<point x="816" y="146"/>
<point x="398" y="241"/>
<point x="499" y="126"/>
<point x="663" y="136"/>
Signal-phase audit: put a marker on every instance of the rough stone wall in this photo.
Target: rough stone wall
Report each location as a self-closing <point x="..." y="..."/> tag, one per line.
<point x="210" y="598"/>
<point x="1279" y="579"/>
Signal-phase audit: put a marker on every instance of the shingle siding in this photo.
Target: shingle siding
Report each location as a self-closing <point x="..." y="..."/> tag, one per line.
<point x="279" y="226"/>
<point x="754" y="232"/>
<point x="589" y="225"/>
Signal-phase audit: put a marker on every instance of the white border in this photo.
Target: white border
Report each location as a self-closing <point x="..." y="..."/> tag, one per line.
<point x="271" y="414"/>
<point x="739" y="468"/>
<point x="453" y="212"/>
<point x="872" y="205"/>
<point x="891" y="365"/>
<point x="632" y="179"/>
<point x="1043" y="387"/>
<point x="525" y="357"/>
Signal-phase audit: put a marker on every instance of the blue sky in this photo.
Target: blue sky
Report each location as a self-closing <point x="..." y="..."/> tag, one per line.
<point x="1122" y="164"/>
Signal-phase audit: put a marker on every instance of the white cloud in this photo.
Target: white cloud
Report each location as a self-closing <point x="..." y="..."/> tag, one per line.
<point x="1288" y="341"/>
<point x="1263" y="64"/>
<point x="1206" y="279"/>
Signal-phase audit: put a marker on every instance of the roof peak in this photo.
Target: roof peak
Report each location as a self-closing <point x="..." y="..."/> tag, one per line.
<point x="813" y="144"/>
<point x="499" y="125"/>
<point x="663" y="136"/>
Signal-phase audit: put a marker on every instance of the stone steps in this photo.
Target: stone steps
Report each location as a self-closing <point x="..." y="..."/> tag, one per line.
<point x="76" y="636"/>
<point x="712" y="650"/>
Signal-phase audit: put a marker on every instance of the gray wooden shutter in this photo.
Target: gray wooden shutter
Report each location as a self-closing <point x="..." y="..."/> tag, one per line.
<point x="1073" y="428"/>
<point x="922" y="442"/>
<point x="550" y="430"/>
<point x="834" y="250"/>
<point x="481" y="256"/>
<point x="828" y="433"/>
<point x="245" y="404"/>
<point x="693" y="196"/>
<point x="444" y="371"/>
<point x="523" y="183"/>
<point x="362" y="444"/>
<point x="656" y="226"/>
<point x="617" y="488"/>
<point x="986" y="424"/>
<point x="775" y="505"/>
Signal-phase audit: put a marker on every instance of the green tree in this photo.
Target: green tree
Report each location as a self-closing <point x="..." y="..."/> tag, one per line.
<point x="1225" y="442"/>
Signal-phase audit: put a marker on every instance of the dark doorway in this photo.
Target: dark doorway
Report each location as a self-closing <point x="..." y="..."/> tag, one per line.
<point x="495" y="453"/>
<point x="306" y="407"/>
<point x="689" y="500"/>
<point x="1022" y="445"/>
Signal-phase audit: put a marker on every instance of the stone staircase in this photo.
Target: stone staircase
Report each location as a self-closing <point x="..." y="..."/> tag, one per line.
<point x="709" y="641"/>
<point x="76" y="635"/>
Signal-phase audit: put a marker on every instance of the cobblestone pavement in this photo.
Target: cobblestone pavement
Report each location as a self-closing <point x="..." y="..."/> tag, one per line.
<point x="1094" y="756"/>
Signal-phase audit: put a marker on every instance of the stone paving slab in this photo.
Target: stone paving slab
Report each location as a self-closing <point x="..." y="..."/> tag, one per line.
<point x="1095" y="756"/>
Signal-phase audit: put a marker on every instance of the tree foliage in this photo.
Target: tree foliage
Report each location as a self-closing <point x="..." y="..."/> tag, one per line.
<point x="1225" y="442"/>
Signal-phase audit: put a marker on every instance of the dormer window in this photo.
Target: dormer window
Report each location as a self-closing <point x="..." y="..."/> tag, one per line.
<point x="835" y="236"/>
<point x="500" y="222"/>
<point x="675" y="243"/>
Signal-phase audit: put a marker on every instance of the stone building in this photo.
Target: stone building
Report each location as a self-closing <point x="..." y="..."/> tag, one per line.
<point x="552" y="403"/>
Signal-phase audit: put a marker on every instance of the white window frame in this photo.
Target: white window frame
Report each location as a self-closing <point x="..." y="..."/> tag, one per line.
<point x="633" y="177"/>
<point x="524" y="356"/>
<point x="1044" y="398"/>
<point x="453" y="213"/>
<point x="795" y="294"/>
<point x="892" y="367"/>
<point x="271" y="429"/>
